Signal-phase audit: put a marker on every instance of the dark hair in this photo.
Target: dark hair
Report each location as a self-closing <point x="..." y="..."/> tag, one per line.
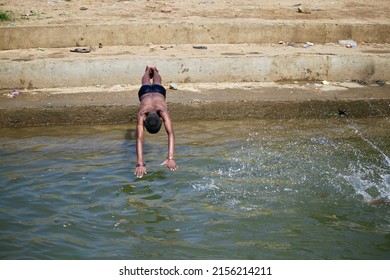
<point x="153" y="123"/>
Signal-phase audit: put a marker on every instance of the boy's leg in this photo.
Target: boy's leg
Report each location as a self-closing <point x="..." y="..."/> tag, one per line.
<point x="147" y="75"/>
<point x="156" y="77"/>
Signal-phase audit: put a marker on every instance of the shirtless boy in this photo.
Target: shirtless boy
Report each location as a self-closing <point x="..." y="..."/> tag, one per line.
<point x="152" y="112"/>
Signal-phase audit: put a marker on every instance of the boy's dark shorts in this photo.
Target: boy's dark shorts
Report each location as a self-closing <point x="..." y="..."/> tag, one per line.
<point x="151" y="88"/>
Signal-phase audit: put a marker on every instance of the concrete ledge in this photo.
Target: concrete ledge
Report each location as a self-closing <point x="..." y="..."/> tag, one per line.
<point x="228" y="101"/>
<point x="233" y="110"/>
<point x="181" y="63"/>
<point x="237" y="31"/>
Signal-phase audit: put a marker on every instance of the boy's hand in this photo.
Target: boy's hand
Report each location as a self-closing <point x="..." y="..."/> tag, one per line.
<point x="140" y="170"/>
<point x="170" y="163"/>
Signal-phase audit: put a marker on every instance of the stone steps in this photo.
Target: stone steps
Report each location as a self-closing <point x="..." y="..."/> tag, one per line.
<point x="243" y="55"/>
<point x="42" y="68"/>
<point x="206" y="31"/>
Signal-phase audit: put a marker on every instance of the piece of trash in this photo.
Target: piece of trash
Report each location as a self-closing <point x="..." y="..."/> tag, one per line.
<point x="307" y="44"/>
<point x="165" y="48"/>
<point x="281" y="42"/>
<point x="200" y="47"/>
<point x="81" y="50"/>
<point x="13" y="93"/>
<point x="342" y="113"/>
<point x="291" y="44"/>
<point x="28" y="14"/>
<point x="380" y="83"/>
<point x="325" y="83"/>
<point x="166" y="10"/>
<point x="360" y="82"/>
<point x="302" y="10"/>
<point x="173" y="86"/>
<point x="348" y="43"/>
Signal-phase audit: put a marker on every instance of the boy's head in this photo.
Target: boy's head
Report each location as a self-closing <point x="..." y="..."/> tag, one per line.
<point x="153" y="123"/>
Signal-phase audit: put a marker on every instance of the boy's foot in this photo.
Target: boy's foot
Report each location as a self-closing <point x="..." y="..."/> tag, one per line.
<point x="151" y="73"/>
<point x="150" y="70"/>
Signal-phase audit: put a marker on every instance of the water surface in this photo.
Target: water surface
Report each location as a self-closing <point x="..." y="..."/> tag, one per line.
<point x="259" y="189"/>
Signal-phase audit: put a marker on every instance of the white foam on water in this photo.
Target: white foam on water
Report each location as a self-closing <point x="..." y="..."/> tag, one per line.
<point x="375" y="147"/>
<point x="205" y="185"/>
<point x="370" y="182"/>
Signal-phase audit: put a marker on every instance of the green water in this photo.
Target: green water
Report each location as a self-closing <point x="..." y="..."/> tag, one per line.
<point x="264" y="189"/>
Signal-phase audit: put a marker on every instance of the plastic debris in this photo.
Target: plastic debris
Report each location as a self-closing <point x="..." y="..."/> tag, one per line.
<point x="173" y="86"/>
<point x="291" y="44"/>
<point x="13" y="93"/>
<point x="308" y="44"/>
<point x="348" y="43"/>
<point x="302" y="10"/>
<point x="81" y="50"/>
<point x="166" y="10"/>
<point x="200" y="47"/>
<point x="380" y="83"/>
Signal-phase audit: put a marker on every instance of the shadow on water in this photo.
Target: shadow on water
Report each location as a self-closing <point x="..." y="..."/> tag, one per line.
<point x="269" y="189"/>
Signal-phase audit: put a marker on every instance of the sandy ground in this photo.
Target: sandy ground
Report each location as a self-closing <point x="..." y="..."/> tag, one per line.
<point x="50" y="12"/>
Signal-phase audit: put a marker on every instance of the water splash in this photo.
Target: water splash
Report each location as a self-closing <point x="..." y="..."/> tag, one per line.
<point x="372" y="181"/>
<point x="375" y="147"/>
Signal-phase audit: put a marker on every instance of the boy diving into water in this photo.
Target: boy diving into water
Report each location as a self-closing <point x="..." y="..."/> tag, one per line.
<point x="152" y="112"/>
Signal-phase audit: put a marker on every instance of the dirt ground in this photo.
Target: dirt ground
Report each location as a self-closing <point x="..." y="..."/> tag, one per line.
<point x="50" y="12"/>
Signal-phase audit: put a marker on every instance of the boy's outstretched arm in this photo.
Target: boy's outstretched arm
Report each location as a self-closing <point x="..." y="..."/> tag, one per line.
<point x="170" y="161"/>
<point x="140" y="168"/>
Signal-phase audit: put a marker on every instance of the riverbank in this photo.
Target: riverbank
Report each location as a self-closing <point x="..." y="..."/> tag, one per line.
<point x="119" y="104"/>
<point x="80" y="62"/>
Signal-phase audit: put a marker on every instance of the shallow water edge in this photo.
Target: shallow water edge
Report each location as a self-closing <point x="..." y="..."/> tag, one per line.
<point x="265" y="189"/>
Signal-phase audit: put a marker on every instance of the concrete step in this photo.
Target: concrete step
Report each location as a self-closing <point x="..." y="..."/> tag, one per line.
<point x="59" y="67"/>
<point x="204" y="31"/>
<point x="199" y="101"/>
